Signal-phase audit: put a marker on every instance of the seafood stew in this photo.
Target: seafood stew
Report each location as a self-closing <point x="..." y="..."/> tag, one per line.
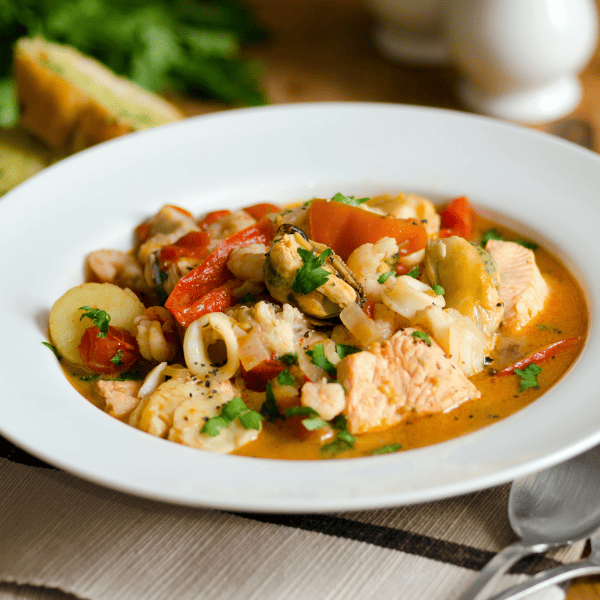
<point x="330" y="329"/>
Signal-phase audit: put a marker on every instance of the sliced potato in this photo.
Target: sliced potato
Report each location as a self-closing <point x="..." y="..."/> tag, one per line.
<point x="66" y="325"/>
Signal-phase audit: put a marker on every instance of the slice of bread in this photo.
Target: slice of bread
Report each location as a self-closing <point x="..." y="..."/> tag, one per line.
<point x="21" y="157"/>
<point x="71" y="101"/>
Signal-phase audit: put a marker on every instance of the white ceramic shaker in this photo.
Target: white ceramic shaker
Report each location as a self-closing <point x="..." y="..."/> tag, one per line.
<point x="520" y="59"/>
<point x="409" y="30"/>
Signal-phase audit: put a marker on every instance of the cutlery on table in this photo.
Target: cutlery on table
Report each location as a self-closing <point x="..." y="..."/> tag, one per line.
<point x="554" y="507"/>
<point x="539" y="581"/>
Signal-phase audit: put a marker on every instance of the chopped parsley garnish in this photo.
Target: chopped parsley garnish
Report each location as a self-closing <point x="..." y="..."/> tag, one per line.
<point x="285" y="378"/>
<point x="100" y="318"/>
<point x="494" y="234"/>
<point x="344" y="440"/>
<point x="384" y="277"/>
<point x="421" y="335"/>
<point x="54" y="350"/>
<point x="269" y="408"/>
<point x="247" y="298"/>
<point x="439" y="290"/>
<point x="527" y="244"/>
<point x="344" y="350"/>
<point x="311" y="274"/>
<point x="234" y="409"/>
<point x="300" y="411"/>
<point x="549" y="328"/>
<point x="158" y="278"/>
<point x="528" y="376"/>
<point x="388" y="449"/>
<point x="312" y="421"/>
<point x="117" y="359"/>
<point x="127" y="376"/>
<point x="317" y="355"/>
<point x="291" y="358"/>
<point x="350" y="200"/>
<point x="414" y="272"/>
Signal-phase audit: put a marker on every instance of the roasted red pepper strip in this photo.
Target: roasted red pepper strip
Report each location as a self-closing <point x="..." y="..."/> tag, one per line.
<point x="257" y="378"/>
<point x="540" y="355"/>
<point x="258" y="211"/>
<point x="211" y="217"/>
<point x="458" y="217"/>
<point x="192" y="245"/>
<point x="185" y="301"/>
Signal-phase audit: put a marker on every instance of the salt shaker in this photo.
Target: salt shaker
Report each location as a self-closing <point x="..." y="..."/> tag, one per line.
<point x="409" y="30"/>
<point x="520" y="59"/>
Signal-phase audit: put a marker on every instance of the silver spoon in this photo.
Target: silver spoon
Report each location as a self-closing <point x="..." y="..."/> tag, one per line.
<point x="544" y="579"/>
<point x="551" y="508"/>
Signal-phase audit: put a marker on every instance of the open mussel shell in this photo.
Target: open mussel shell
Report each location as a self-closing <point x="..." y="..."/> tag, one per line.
<point x="323" y="305"/>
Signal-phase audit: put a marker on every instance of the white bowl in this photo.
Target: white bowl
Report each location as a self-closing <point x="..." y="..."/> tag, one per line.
<point x="545" y="187"/>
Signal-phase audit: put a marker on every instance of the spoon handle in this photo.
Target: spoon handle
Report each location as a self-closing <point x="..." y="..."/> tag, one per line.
<point x="498" y="566"/>
<point x="548" y="578"/>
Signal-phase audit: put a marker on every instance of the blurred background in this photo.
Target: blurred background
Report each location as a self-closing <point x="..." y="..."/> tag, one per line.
<point x="534" y="62"/>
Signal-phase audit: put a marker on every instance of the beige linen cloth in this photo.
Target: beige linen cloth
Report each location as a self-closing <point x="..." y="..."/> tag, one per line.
<point x="62" y="537"/>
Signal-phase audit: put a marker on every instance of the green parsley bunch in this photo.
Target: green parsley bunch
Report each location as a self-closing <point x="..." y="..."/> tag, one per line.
<point x="193" y="46"/>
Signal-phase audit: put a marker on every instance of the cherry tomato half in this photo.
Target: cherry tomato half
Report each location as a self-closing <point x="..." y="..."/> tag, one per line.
<point x="115" y="352"/>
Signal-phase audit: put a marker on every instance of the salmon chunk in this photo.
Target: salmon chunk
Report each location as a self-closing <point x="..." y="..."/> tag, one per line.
<point x="399" y="376"/>
<point x="523" y="290"/>
<point x="120" y="396"/>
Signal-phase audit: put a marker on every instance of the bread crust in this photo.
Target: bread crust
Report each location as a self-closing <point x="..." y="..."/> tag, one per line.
<point x="60" y="113"/>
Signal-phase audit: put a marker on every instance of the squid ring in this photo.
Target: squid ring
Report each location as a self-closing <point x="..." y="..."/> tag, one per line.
<point x="196" y="346"/>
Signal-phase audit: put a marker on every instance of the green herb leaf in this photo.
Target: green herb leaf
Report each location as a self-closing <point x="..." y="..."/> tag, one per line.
<point x="344" y="440"/>
<point x="528" y="376"/>
<point x="301" y="411"/>
<point x="158" y="278"/>
<point x="285" y="378"/>
<point x="311" y="274"/>
<point x="269" y="408"/>
<point x="98" y="317"/>
<point x="234" y="409"/>
<point x="350" y="200"/>
<point x="344" y="350"/>
<point x="289" y="359"/>
<point x="314" y="423"/>
<point x="251" y="419"/>
<point x="384" y="277"/>
<point x="439" y="290"/>
<point x="527" y="244"/>
<point x="317" y="356"/>
<point x="214" y="425"/>
<point x="388" y="449"/>
<point x="492" y="234"/>
<point x="127" y="376"/>
<point x="422" y="336"/>
<point x="117" y="359"/>
<point x="54" y="350"/>
<point x="414" y="272"/>
<point x="247" y="298"/>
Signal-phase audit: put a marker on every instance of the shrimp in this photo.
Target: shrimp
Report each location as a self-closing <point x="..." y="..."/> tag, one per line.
<point x="248" y="263"/>
<point x="369" y="261"/>
<point x="114" y="266"/>
<point x="156" y="334"/>
<point x="328" y="399"/>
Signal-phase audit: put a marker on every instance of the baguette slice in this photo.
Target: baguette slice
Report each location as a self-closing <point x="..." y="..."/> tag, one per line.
<point x="21" y="157"/>
<point x="71" y="101"/>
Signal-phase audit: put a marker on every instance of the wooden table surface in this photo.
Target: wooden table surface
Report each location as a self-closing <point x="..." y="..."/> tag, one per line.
<point x="322" y="50"/>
